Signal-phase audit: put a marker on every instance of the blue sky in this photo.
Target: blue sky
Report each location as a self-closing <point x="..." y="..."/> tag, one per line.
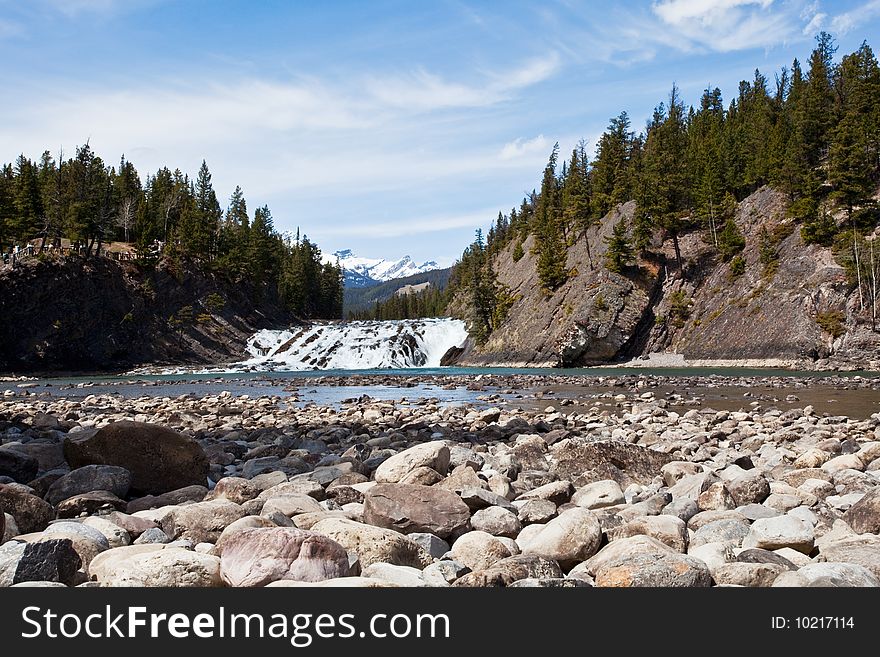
<point x="388" y="127"/>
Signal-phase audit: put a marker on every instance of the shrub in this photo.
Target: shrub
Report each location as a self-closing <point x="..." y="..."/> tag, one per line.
<point x="518" y="252"/>
<point x="737" y="267"/>
<point x="831" y="321"/>
<point x="679" y="308"/>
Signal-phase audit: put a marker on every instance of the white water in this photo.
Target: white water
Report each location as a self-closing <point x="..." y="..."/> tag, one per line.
<point x="354" y="346"/>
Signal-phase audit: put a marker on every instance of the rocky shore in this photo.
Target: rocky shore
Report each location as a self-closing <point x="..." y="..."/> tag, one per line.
<point x="224" y="490"/>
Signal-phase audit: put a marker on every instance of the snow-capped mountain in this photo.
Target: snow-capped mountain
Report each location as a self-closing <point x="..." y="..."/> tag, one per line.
<point x="361" y="272"/>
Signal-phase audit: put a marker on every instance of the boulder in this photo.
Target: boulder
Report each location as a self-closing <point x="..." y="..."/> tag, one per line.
<point x="168" y="567"/>
<point x="863" y="550"/>
<point x="433" y="545"/>
<point x="714" y="555"/>
<point x="158" y="458"/>
<point x="291" y="505"/>
<point x="410" y="508"/>
<point x="496" y="521"/>
<point x="478" y="550"/>
<point x="20" y="467"/>
<point x="654" y="570"/>
<point x="10" y="554"/>
<point x="782" y="531"/>
<point x="558" y="492"/>
<point x="171" y="498"/>
<point x="729" y="531"/>
<point x="248" y="522"/>
<point x="461" y="478"/>
<point x="373" y="544"/>
<point x="477" y="498"/>
<point x="423" y="476"/>
<point x="87" y="541"/>
<point x="52" y="560"/>
<point x="748" y="574"/>
<point x="716" y="498"/>
<point x="434" y="455"/>
<point x="153" y="536"/>
<point x="405" y="576"/>
<point x="536" y="511"/>
<point x="756" y="555"/>
<point x="864" y="515"/>
<point x="234" y="489"/>
<point x="48" y="454"/>
<point x="89" y="478"/>
<point x="132" y="524"/>
<point x="509" y="570"/>
<point x="600" y="460"/>
<point x="749" y="488"/>
<point x="669" y="530"/>
<point x="599" y="494"/>
<point x="202" y="522"/>
<point x="89" y="503"/>
<point x="570" y="538"/>
<point x="116" y="536"/>
<point x="829" y="575"/>
<point x="620" y="549"/>
<point x="255" y="557"/>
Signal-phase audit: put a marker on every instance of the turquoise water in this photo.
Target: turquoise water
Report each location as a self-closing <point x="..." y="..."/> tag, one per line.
<point x="292" y="377"/>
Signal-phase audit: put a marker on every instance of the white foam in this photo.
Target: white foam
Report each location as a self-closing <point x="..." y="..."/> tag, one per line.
<point x="362" y="345"/>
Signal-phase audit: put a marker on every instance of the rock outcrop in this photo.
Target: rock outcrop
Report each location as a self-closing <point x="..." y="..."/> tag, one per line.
<point x="795" y="309"/>
<point x="87" y="315"/>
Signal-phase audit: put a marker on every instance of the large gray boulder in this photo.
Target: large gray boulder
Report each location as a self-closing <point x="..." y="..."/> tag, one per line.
<point x="410" y="508"/>
<point x="90" y="478"/>
<point x="158" y="458"/>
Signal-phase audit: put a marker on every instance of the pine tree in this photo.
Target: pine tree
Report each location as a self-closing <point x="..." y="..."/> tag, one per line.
<point x="576" y="210"/>
<point x="610" y="178"/>
<point x="549" y="244"/>
<point x="620" y="251"/>
<point x="730" y="240"/>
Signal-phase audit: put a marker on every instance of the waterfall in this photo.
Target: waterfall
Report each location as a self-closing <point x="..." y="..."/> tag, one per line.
<point x="354" y="345"/>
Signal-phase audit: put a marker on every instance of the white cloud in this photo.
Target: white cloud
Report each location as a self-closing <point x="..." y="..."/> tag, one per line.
<point x="424" y="91"/>
<point x="726" y="25"/>
<point x="705" y="12"/>
<point x="815" y="24"/>
<point x="520" y="147"/>
<point x="848" y="21"/>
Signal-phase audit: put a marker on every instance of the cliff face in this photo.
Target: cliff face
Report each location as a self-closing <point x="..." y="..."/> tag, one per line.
<point x="768" y="314"/>
<point x="77" y="315"/>
<point x="589" y="320"/>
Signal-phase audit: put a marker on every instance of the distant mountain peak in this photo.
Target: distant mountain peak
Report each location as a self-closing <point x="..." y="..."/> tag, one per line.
<point x="362" y="272"/>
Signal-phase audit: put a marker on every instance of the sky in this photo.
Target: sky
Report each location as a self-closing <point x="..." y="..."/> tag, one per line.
<point x="387" y="127"/>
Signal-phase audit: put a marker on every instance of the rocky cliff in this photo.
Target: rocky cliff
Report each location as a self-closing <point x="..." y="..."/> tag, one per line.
<point x="87" y="315"/>
<point x="769" y="314"/>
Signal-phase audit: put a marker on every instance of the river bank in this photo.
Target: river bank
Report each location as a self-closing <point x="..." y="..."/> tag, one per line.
<point x="531" y="486"/>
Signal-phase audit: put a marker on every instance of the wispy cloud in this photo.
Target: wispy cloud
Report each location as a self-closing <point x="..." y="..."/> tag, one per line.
<point x="727" y="25"/>
<point x="849" y="20"/>
<point x="422" y="90"/>
<point x="520" y="147"/>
